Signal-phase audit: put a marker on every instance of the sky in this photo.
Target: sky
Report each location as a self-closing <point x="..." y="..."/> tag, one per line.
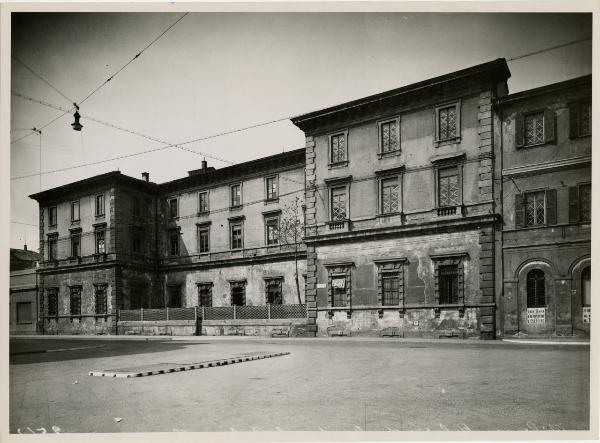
<point x="217" y="72"/>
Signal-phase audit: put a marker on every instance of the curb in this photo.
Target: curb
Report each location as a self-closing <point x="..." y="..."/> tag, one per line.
<point x="209" y="364"/>
<point x="547" y="342"/>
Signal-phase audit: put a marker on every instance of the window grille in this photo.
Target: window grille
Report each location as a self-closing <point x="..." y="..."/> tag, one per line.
<point x="448" y="187"/>
<point x="100" y="242"/>
<point x="101" y="301"/>
<point x="338" y="204"/>
<point x="391" y="293"/>
<point x="447" y="123"/>
<point x="338" y="148"/>
<point x="534" y="129"/>
<point x="389" y="195"/>
<point x="205" y="295"/>
<point x="536" y="289"/>
<point x="448" y="284"/>
<point x="75" y="305"/>
<point x="535" y="208"/>
<point x="389" y="137"/>
<point x="52" y="302"/>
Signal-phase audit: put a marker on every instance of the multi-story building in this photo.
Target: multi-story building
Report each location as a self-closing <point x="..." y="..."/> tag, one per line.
<point x="401" y="208"/>
<point x="445" y="208"/>
<point x="214" y="238"/>
<point x="546" y="179"/>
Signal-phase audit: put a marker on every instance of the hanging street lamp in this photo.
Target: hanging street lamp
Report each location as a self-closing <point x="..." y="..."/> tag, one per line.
<point x="76" y="125"/>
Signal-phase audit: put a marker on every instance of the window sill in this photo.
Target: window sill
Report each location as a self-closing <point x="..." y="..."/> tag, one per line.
<point x="73" y="259"/>
<point x="100" y="215"/>
<point x="446" y="142"/>
<point x="337" y="165"/>
<point x="271" y="200"/>
<point x="536" y="145"/>
<point x="202" y="213"/>
<point x="52" y="226"/>
<point x="236" y="207"/>
<point x="393" y="153"/>
<point x="75" y="222"/>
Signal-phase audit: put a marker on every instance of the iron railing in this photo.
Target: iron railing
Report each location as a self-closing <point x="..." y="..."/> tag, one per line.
<point x="263" y="312"/>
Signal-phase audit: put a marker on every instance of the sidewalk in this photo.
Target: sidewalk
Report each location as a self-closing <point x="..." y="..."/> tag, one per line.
<point x="523" y="341"/>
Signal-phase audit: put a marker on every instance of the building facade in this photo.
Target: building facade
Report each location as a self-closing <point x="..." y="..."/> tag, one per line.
<point x="546" y="178"/>
<point x="211" y="239"/>
<point x="402" y="215"/>
<point x="446" y="208"/>
<point x="23" y="291"/>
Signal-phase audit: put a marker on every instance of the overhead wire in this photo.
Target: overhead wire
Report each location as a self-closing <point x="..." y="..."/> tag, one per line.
<point x="70" y="100"/>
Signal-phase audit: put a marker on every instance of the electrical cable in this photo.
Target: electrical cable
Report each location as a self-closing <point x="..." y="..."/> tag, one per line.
<point x="70" y="100"/>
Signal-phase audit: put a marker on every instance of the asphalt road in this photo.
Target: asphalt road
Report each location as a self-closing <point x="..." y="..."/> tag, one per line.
<point x="331" y="385"/>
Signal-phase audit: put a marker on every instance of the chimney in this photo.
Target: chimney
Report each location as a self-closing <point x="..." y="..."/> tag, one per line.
<point x="25" y="247"/>
<point x="204" y="165"/>
<point x="146" y="176"/>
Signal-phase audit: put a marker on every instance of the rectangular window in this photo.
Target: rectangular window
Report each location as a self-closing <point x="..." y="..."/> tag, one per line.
<point x="236" y="195"/>
<point x="100" y="241"/>
<point x="99" y="205"/>
<point x="338" y="204"/>
<point x="447" y="123"/>
<point x="174" y="243"/>
<point x="238" y="294"/>
<point x="174" y="296"/>
<point x="52" y="247"/>
<point x="585" y="119"/>
<point x="272" y="230"/>
<point x="585" y="203"/>
<point x="173" y="208"/>
<point x="534" y="129"/>
<point x="52" y="302"/>
<point x="272" y="193"/>
<point x="74" y="211"/>
<point x="203" y="201"/>
<point x="236" y="236"/>
<point x="389" y="136"/>
<point x="100" y="300"/>
<point x="203" y="240"/>
<point x="274" y="293"/>
<point x="205" y="294"/>
<point x="448" y="284"/>
<point x="24" y="313"/>
<point x="75" y="302"/>
<point x="52" y="216"/>
<point x="535" y="208"/>
<point x="389" y="195"/>
<point x="338" y="285"/>
<point x="448" y="187"/>
<point x="338" y="148"/>
<point x="137" y="241"/>
<point x="137" y="206"/>
<point x="76" y="245"/>
<point x="391" y="294"/>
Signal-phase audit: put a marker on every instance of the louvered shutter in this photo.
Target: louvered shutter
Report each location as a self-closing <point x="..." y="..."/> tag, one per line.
<point x="519" y="210"/>
<point x="519" y="130"/>
<point x="551" y="207"/>
<point x="549" y="126"/>
<point x="573" y="204"/>
<point x="573" y="120"/>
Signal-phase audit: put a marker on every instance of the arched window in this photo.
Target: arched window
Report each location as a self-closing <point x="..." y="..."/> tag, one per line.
<point x="536" y="289"/>
<point x="586" y="286"/>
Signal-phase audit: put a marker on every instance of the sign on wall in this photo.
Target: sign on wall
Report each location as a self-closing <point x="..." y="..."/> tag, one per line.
<point x="536" y="316"/>
<point x="587" y="314"/>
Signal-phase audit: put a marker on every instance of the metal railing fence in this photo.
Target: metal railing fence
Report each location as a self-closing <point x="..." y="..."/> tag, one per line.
<point x="263" y="312"/>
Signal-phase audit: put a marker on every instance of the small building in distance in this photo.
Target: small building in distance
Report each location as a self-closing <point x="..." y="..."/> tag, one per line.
<point x="23" y="319"/>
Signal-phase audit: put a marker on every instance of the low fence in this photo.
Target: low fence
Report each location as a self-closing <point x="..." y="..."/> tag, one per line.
<point x="265" y="312"/>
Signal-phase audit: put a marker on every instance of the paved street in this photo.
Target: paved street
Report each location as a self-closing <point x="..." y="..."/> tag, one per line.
<point x="330" y="385"/>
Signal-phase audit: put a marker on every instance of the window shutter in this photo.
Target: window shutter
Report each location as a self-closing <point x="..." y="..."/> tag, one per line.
<point x="519" y="210"/>
<point x="549" y="127"/>
<point x="573" y="204"/>
<point x="551" y="207"/>
<point x="519" y="130"/>
<point x="573" y="120"/>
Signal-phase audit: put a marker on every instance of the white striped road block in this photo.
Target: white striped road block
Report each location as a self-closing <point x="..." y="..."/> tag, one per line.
<point x="189" y="367"/>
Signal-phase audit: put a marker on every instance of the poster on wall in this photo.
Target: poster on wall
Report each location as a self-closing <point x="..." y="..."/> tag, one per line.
<point x="536" y="316"/>
<point x="587" y="314"/>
